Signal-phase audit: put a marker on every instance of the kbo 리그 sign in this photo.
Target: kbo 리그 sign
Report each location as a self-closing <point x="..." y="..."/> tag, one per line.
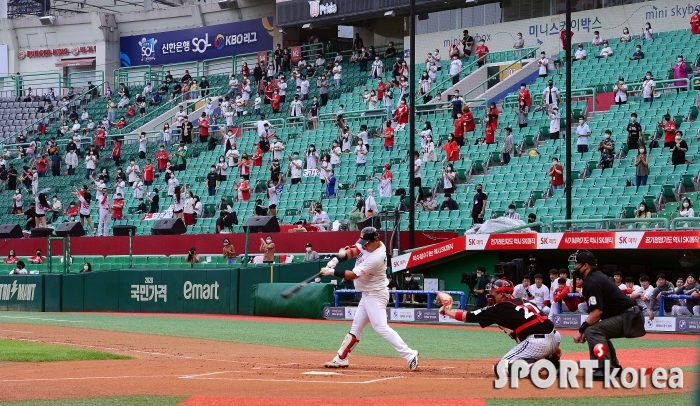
<point x="196" y="44"/>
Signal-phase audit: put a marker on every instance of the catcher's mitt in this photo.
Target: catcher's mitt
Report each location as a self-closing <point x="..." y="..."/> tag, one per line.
<point x="445" y="299"/>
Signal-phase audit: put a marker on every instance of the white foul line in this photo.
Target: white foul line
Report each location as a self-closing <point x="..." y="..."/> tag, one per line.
<point x="86" y="378"/>
<point x="304" y="380"/>
<point x="198" y="375"/>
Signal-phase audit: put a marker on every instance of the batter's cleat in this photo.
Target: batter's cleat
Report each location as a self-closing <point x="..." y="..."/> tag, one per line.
<point x="337" y="363"/>
<point x="413" y="363"/>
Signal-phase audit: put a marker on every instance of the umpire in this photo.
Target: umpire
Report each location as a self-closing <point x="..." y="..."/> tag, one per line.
<point x="611" y="314"/>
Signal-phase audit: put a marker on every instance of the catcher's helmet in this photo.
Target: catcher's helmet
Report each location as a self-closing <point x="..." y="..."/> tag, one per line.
<point x="502" y="286"/>
<point x="586" y="257"/>
<point x="368" y="235"/>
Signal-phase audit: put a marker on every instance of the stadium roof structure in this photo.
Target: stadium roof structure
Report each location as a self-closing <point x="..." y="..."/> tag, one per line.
<point x="26" y="8"/>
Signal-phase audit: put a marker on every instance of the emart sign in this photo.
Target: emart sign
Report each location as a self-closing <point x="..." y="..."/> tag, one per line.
<point x="196" y="291"/>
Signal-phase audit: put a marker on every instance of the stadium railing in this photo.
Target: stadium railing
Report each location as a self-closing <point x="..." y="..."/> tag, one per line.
<point x="504" y="56"/>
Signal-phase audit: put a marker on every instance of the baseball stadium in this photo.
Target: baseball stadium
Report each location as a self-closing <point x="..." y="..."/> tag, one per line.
<point x="364" y="202"/>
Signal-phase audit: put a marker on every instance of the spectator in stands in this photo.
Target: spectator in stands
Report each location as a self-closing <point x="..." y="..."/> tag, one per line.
<point x="620" y="91"/>
<point x="321" y="219"/>
<point x="554" y="122"/>
<point x="267" y="247"/>
<point x="606" y="51"/>
<point x="429" y="203"/>
<point x="329" y="180"/>
<point x="448" y="178"/>
<point x="455" y="69"/>
<point x="580" y="54"/>
<point x="678" y="150"/>
<point x="448" y="203"/>
<point x="390" y="51"/>
<point x="188" y="208"/>
<point x="519" y="43"/>
<point x="508" y="147"/>
<point x="607" y="150"/>
<point x="337" y="74"/>
<point x="310" y="254"/>
<point x="451" y="149"/>
<point x="648" y="87"/>
<point x="479" y="207"/>
<point x="669" y="131"/>
<point x="638" y="54"/>
<point x="55" y="164"/>
<point x="635" y="135"/>
<point x="532" y="218"/>
<point x="358" y="211"/>
<point x="11" y="258"/>
<point x="481" y="51"/>
<point x="583" y="131"/>
<point x="385" y="182"/>
<point x="229" y="252"/>
<point x="685" y="307"/>
<point x="663" y="288"/>
<point x="695" y="21"/>
<point x="273" y="196"/>
<point x="192" y="257"/>
<point x="212" y="180"/>
<point x="597" y="39"/>
<point x="625" y="37"/>
<point x="37" y="258"/>
<point x="680" y="71"/>
<point x="20" y="270"/>
<point x="510" y="213"/>
<point x="641" y="162"/>
<point x="556" y="173"/>
<point x="551" y="96"/>
<point x="647" y="32"/>
<point x="543" y="65"/>
<point x="686" y="209"/>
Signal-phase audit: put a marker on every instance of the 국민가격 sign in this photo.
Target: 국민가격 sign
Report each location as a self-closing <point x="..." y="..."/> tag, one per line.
<point x="216" y="41"/>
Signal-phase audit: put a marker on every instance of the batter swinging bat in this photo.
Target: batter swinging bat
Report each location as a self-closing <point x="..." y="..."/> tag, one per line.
<point x="294" y="289"/>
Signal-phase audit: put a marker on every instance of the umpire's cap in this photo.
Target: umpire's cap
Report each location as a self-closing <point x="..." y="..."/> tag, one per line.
<point x="368" y="235"/>
<point x="586" y="257"/>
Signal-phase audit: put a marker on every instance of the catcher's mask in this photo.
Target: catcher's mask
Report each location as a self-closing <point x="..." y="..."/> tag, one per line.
<point x="500" y="286"/>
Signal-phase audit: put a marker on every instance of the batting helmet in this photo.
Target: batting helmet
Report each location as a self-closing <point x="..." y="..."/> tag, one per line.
<point x="502" y="286"/>
<point x="368" y="235"/>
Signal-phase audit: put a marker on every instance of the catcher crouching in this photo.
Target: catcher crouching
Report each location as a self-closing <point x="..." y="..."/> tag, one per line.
<point x="521" y="320"/>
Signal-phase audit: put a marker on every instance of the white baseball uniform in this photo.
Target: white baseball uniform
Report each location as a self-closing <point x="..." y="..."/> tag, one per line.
<point x="520" y="292"/>
<point x="541" y="294"/>
<point x="372" y="282"/>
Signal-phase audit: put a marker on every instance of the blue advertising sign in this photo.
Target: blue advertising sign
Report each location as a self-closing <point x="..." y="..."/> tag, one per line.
<point x="216" y="41"/>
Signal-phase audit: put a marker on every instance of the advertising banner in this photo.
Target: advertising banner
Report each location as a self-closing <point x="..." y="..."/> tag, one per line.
<point x="427" y="254"/>
<point x="296" y="54"/>
<point x="193" y="44"/>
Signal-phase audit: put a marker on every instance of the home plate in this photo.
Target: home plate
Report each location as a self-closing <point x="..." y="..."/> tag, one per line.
<point x="320" y="373"/>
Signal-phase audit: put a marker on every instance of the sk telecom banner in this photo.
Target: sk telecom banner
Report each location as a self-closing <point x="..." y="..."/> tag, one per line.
<point x="194" y="44"/>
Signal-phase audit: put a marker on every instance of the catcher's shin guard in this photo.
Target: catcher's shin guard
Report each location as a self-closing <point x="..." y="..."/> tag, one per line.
<point x="347" y="346"/>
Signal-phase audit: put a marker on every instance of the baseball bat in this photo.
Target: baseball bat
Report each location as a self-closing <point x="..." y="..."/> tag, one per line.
<point x="294" y="289"/>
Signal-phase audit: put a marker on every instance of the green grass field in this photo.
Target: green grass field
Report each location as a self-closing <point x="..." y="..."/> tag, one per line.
<point x="455" y="344"/>
<point x="22" y="351"/>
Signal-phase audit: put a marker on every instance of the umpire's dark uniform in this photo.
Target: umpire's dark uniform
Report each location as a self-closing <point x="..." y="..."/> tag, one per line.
<point x="621" y="316"/>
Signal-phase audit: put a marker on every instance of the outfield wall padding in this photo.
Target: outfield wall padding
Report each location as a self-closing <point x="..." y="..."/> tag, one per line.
<point x="213" y="291"/>
<point x="308" y="303"/>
